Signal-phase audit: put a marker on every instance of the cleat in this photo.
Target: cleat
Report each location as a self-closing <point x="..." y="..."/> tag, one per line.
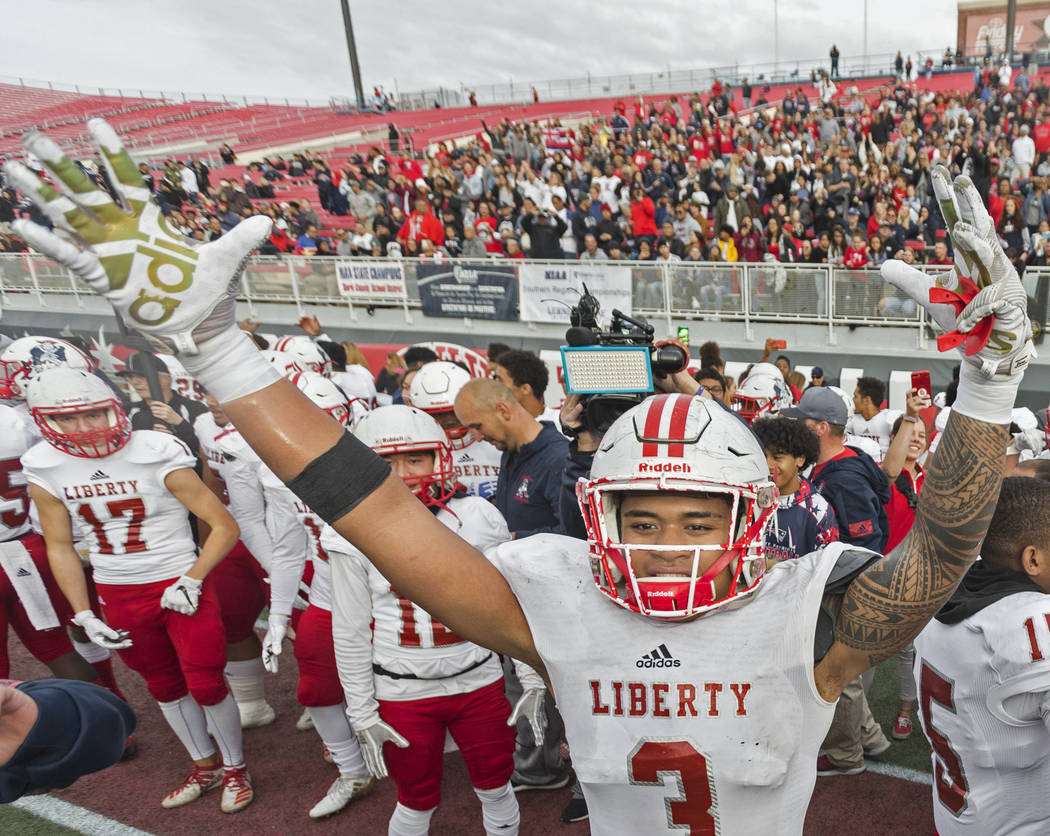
<point x="131" y="749"/>
<point x="344" y="790"/>
<point x="877" y="749"/>
<point x="902" y="727"/>
<point x="305" y="721"/>
<point x="326" y="756"/>
<point x="575" y="810"/>
<point x="256" y="713"/>
<point x="237" y="792"/>
<point x="198" y="782"/>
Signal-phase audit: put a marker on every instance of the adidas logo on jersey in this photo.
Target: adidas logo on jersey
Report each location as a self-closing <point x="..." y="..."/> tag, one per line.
<point x="23" y="573"/>
<point x="98" y="474"/>
<point x="659" y="658"/>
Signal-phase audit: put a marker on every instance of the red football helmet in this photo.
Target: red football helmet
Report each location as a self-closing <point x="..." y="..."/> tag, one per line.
<point x="404" y="429"/>
<point x="26" y="356"/>
<point x="682" y="444"/>
<point x="62" y="391"/>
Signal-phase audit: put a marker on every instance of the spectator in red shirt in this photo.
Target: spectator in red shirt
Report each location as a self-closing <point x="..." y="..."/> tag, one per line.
<point x="643" y="216"/>
<point x="940" y="255"/>
<point x="422" y="224"/>
<point x="856" y="257"/>
<point x="1041" y="136"/>
<point x="902" y="468"/>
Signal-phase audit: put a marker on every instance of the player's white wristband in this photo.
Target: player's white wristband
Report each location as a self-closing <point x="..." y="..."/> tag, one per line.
<point x="983" y="398"/>
<point x="230" y="366"/>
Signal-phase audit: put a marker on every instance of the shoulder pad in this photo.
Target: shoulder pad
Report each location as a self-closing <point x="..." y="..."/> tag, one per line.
<point x="150" y="446"/>
<point x="41" y="456"/>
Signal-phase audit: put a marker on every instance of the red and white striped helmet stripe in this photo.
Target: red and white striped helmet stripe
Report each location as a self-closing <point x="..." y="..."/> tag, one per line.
<point x="664" y="429"/>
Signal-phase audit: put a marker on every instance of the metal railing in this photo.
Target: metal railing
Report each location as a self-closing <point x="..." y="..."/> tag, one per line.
<point x="813" y="294"/>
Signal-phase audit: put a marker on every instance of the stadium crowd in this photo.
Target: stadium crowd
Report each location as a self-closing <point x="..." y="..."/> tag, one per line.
<point x="840" y="178"/>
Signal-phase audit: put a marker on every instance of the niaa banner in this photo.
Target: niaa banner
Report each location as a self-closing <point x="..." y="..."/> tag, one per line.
<point x="547" y="291"/>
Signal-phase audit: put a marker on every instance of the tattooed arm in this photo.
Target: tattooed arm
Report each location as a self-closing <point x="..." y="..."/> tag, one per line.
<point x="893" y="599"/>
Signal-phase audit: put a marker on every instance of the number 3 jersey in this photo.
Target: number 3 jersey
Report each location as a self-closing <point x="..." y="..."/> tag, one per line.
<point x="984" y="702"/>
<point x="421" y="657"/>
<point x="706" y="726"/>
<point x="135" y="529"/>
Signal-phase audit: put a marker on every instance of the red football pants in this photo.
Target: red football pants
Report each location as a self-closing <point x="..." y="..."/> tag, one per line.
<point x="240" y="583"/>
<point x="477" y="722"/>
<point x="45" y="645"/>
<point x="174" y="653"/>
<point x="315" y="653"/>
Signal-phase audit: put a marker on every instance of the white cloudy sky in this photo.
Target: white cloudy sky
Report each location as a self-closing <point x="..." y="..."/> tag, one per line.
<point x="297" y="48"/>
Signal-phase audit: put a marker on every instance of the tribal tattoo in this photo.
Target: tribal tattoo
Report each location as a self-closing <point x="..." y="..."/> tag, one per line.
<point x="893" y="599"/>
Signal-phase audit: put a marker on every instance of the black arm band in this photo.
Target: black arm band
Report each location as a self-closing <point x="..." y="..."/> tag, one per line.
<point x="337" y="480"/>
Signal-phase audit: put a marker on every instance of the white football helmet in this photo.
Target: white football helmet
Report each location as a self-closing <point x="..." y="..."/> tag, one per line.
<point x="26" y="356"/>
<point x="434" y="388"/>
<point x="679" y="443"/>
<point x="307" y="355"/>
<point x="62" y="391"/>
<point x="325" y="394"/>
<point x="404" y="429"/>
<point x="761" y="394"/>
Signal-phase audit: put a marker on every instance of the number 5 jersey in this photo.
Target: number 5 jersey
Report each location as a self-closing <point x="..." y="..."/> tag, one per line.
<point x="137" y="532"/>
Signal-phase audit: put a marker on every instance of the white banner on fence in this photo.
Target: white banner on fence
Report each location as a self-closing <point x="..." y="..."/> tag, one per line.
<point x="381" y="280"/>
<point x="547" y="291"/>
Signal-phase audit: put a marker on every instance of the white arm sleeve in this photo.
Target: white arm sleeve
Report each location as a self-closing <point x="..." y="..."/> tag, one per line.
<point x="352" y="637"/>
<point x="248" y="506"/>
<point x="291" y="547"/>
<point x="530" y="680"/>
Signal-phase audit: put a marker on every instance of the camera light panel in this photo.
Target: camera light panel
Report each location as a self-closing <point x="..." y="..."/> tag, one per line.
<point x="607" y="369"/>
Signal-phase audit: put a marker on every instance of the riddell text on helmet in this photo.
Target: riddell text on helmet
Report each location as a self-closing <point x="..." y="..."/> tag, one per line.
<point x="664" y="467"/>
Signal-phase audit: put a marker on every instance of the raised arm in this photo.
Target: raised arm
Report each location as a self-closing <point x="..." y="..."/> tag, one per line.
<point x="179" y="295"/>
<point x="890" y="602"/>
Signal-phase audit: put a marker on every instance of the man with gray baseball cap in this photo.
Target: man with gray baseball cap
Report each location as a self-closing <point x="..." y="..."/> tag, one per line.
<point x="819" y="404"/>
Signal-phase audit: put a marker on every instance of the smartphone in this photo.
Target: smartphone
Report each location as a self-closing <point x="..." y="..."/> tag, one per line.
<point x="779" y="345"/>
<point x="920" y="382"/>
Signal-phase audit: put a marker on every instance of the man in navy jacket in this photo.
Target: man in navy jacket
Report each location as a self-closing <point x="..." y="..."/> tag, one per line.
<point x="534" y="453"/>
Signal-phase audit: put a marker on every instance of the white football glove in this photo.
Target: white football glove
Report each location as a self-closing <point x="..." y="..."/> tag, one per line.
<point x="991" y="374"/>
<point x="183" y="596"/>
<point x="162" y="285"/>
<point x="272" y="643"/>
<point x="531" y="703"/>
<point x="101" y="633"/>
<point x="372" y="739"/>
<point x="1031" y="440"/>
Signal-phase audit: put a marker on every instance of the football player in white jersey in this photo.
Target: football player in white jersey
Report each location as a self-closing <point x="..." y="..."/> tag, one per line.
<point x="30" y="601"/>
<point x="869" y="419"/>
<point x="433" y="389"/>
<point x="409" y="679"/>
<point x="239" y="581"/>
<point x="129" y="493"/>
<point x="983" y="668"/>
<point x="296" y="532"/>
<point x="677" y="502"/>
<point x="763" y="393"/>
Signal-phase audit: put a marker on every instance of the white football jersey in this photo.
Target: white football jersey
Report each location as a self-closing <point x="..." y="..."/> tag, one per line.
<point x="209" y="434"/>
<point x="477" y="467"/>
<point x="984" y="703"/>
<point x="135" y="530"/>
<point x="240" y="471"/>
<point x="15" y="439"/>
<point x="876" y="428"/>
<point x="405" y="640"/>
<point x="712" y="724"/>
<point x="296" y="534"/>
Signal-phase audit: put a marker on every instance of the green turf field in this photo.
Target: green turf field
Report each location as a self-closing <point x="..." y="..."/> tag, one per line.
<point x="884" y="699"/>
<point x="15" y="822"/>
